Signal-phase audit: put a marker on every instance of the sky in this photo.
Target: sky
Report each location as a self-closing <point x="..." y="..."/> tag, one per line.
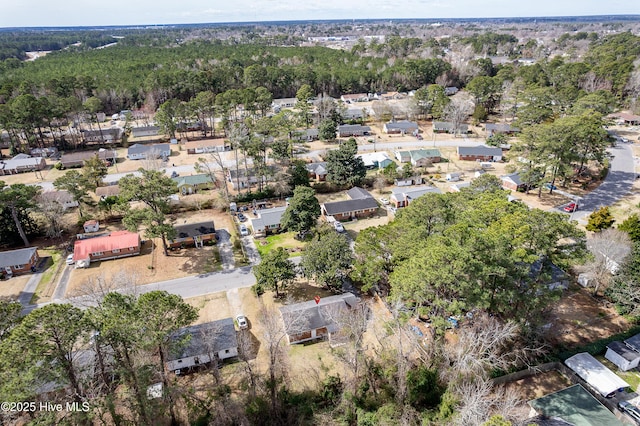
<point x="52" y="13"/>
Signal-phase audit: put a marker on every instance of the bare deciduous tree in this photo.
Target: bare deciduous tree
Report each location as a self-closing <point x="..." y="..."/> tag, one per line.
<point x="609" y="247"/>
<point x="457" y="111"/>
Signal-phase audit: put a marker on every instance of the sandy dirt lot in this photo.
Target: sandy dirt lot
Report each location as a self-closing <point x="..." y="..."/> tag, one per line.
<point x="541" y="384"/>
<point x="578" y="319"/>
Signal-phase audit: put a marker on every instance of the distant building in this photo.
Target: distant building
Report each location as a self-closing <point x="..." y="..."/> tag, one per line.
<point x="141" y="152"/>
<point x="479" y="153"/>
<point x="402" y="197"/>
<point x="446" y="127"/>
<point x="376" y="160"/>
<point x="110" y="135"/>
<point x="16" y="262"/>
<point x="146" y="131"/>
<point x="77" y="159"/>
<point x="346" y="130"/>
<point x="400" y="127"/>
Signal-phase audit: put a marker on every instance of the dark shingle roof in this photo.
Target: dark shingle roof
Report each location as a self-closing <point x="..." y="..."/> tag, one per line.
<point x="624" y="351"/>
<point x="311" y="315"/>
<point x="479" y="150"/>
<point x="16" y="257"/>
<point x="208" y="337"/>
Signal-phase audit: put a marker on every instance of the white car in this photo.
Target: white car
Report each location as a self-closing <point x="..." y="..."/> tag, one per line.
<point x="242" y="322"/>
<point x="338" y="226"/>
<point x="384" y="201"/>
<point x="70" y="260"/>
<point x="243" y="230"/>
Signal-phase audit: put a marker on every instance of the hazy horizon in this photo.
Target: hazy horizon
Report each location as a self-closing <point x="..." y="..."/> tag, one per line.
<point x="78" y="13"/>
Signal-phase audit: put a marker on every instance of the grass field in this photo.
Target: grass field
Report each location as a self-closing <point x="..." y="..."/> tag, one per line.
<point x="284" y="240"/>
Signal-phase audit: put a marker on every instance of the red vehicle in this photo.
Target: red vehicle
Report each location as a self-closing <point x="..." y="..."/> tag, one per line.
<point x="571" y="207"/>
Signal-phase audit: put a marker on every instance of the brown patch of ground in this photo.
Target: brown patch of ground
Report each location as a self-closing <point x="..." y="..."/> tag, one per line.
<point x="578" y="319"/>
<point x="540" y="384"/>
<point x="10" y="288"/>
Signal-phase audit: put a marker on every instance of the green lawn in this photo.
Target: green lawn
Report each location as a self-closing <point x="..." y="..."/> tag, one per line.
<point x="284" y="240"/>
<point x="632" y="376"/>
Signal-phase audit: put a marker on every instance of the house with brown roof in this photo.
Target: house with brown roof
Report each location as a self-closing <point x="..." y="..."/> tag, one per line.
<point x="115" y="245"/>
<point x="346" y="130"/>
<point x="62" y="197"/>
<point x="110" y="135"/>
<point x="16" y="262"/>
<point x="107" y="191"/>
<point x="77" y="159"/>
<point x="360" y="204"/>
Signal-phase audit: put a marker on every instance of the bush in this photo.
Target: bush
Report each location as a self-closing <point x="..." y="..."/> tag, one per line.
<point x="58" y="166"/>
<point x="260" y="195"/>
<point x="257" y="289"/>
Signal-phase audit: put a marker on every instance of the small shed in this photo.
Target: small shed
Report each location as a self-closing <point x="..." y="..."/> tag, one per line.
<point x="91" y="226"/>
<point x="453" y="177"/>
<point x="622" y="356"/>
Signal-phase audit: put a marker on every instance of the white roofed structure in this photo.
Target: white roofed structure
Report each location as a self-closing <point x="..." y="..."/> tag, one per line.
<point x="592" y="371"/>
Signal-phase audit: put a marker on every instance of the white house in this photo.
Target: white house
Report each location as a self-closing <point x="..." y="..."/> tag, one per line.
<point x="599" y="377"/>
<point x="375" y="160"/>
<point x="140" y="152"/>
<point x="91" y="226"/>
<point x="622" y="356"/>
<point x="208" y="341"/>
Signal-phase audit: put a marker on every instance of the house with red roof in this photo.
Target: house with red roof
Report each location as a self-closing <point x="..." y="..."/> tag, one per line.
<point x="115" y="245"/>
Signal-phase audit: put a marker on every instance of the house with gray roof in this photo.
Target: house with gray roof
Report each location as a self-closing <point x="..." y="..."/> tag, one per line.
<point x="15" y="262"/>
<point x="479" y="153"/>
<point x="360" y="204"/>
<point x="401" y="127"/>
<point x="346" y="130"/>
<point x="110" y="135"/>
<point x="199" y="345"/>
<point x="513" y="182"/>
<point x="267" y="221"/>
<point x="317" y="171"/>
<point x="77" y="159"/>
<point x="62" y="197"/>
<point x="447" y="127"/>
<point x="141" y="152"/>
<point x="419" y="157"/>
<point x="402" y="197"/>
<point x="145" y="131"/>
<point x="21" y="163"/>
<point x="622" y="356"/>
<point x="495" y="128"/>
<point x="312" y="320"/>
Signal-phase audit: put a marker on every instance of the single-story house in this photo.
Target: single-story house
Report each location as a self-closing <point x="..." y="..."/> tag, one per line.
<point x="91" y="226"/>
<point x="408" y="181"/>
<point x="346" y="130"/>
<point x="61" y="197"/>
<point x="193" y="234"/>
<point x="15" y="262"/>
<point x="109" y="135"/>
<point x="193" y="183"/>
<point x="554" y="277"/>
<point x="192" y="126"/>
<point x="77" y="159"/>
<point x="572" y="406"/>
<point x="361" y="204"/>
<point x="141" y="152"/>
<point x="447" y="127"/>
<point x="47" y="152"/>
<point x="307" y="135"/>
<point x="424" y="157"/>
<point x="479" y="153"/>
<point x="315" y="320"/>
<point x="206" y="342"/>
<point x="353" y="114"/>
<point x="278" y="104"/>
<point x="317" y="171"/>
<point x="478" y="173"/>
<point x="495" y="128"/>
<point x="267" y="221"/>
<point x="355" y="97"/>
<point x="402" y="197"/>
<point x="375" y="160"/>
<point x="634" y="342"/>
<point x="400" y="127"/>
<point x="21" y="163"/>
<point x="115" y="245"/>
<point x="205" y="146"/>
<point x="513" y="182"/>
<point x="453" y="176"/>
<point x="626" y="118"/>
<point x="599" y="377"/>
<point x="145" y="131"/>
<point x="108" y="191"/>
<point x="622" y="356"/>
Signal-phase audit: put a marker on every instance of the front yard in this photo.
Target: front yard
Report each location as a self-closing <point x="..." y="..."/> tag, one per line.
<point x="284" y="240"/>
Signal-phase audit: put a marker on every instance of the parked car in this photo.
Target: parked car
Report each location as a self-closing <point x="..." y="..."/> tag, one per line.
<point x="571" y="207"/>
<point x="243" y="230"/>
<point x="174" y="174"/>
<point x="241" y="217"/>
<point x="630" y="410"/>
<point x="384" y="201"/>
<point x="338" y="226"/>
<point x="549" y="186"/>
<point x="242" y="322"/>
<point x="70" y="260"/>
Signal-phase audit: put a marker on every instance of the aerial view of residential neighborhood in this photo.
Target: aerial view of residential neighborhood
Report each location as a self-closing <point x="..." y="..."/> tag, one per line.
<point x="359" y="222"/>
